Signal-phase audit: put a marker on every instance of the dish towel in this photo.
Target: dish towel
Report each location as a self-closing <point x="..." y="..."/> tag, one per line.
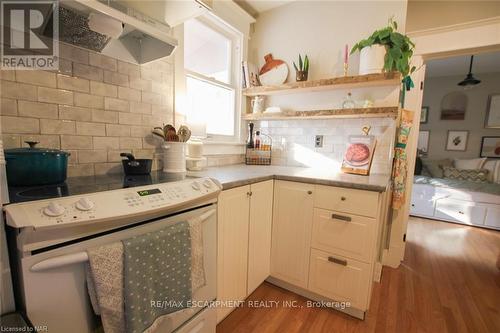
<point x="156" y="275"/>
<point x="105" y="285"/>
<point x="197" y="265"/>
<point x="400" y="166"/>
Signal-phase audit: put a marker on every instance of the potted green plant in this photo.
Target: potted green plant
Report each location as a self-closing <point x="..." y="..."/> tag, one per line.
<point x="302" y="70"/>
<point x="396" y="48"/>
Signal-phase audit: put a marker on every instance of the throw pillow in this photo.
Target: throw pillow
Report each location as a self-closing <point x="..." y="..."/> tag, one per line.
<point x="493" y="166"/>
<point x="473" y="163"/>
<point x="476" y="175"/>
<point x="435" y="167"/>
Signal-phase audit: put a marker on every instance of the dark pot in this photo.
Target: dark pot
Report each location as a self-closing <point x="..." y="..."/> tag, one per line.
<point x="36" y="166"/>
<point x="133" y="166"/>
<point x="301" y="76"/>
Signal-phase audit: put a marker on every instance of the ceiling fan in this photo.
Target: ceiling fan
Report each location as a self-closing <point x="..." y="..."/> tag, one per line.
<point x="469" y="80"/>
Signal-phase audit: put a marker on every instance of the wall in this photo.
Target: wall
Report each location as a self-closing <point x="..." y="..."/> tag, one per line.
<point x="435" y="89"/>
<point x="424" y="14"/>
<point x="321" y="29"/>
<point x="94" y="107"/>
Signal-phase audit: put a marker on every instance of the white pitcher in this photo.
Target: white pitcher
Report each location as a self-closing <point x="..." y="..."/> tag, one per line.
<point x="258" y="104"/>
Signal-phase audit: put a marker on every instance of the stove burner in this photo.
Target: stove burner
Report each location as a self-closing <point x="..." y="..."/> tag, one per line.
<point x="47" y="191"/>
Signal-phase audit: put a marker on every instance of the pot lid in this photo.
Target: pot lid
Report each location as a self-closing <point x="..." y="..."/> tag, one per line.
<point x="33" y="150"/>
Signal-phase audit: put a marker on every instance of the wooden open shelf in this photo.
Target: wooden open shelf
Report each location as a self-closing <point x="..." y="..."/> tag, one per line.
<point x="374" y="112"/>
<point x="343" y="82"/>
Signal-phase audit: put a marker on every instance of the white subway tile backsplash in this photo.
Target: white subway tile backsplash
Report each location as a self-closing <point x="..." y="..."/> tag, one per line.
<point x="56" y="96"/>
<point x="39" y="78"/>
<point x="103" y="89"/>
<point x="18" y="91"/>
<point x="8" y="107"/>
<point x="37" y="110"/>
<point x="88" y="72"/>
<point x="72" y="83"/>
<point x="116" y="104"/>
<point x="89" y="101"/>
<point x="74" y="113"/>
<point x="52" y="126"/>
<point x="101" y="116"/>
<point x="84" y="128"/>
<point x="19" y="125"/>
<point x="102" y="61"/>
<point x="93" y="107"/>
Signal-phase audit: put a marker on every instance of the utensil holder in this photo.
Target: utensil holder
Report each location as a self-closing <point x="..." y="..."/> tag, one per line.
<point x="174" y="157"/>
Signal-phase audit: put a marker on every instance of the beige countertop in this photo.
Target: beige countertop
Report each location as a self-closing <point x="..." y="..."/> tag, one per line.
<point x="240" y="174"/>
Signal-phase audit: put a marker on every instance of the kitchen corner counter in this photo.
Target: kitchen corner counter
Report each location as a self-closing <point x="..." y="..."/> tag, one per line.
<point x="239" y="175"/>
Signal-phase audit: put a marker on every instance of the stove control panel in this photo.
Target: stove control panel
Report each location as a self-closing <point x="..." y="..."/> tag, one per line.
<point x="110" y="204"/>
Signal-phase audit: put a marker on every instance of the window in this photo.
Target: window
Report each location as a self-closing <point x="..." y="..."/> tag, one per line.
<point x="209" y="62"/>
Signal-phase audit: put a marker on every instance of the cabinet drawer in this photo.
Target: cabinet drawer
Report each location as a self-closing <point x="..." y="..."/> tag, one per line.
<point x="346" y="200"/>
<point x="340" y="278"/>
<point x="460" y="211"/>
<point x="349" y="235"/>
<point x="493" y="216"/>
<point x="420" y="206"/>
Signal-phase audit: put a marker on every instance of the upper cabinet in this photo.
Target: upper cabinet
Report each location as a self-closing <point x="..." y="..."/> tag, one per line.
<point x="171" y="12"/>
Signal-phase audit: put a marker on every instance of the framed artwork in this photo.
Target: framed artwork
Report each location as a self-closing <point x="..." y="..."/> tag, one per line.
<point x="359" y="154"/>
<point x="453" y="106"/>
<point x="493" y="112"/>
<point x="423" y="142"/>
<point x="457" y="140"/>
<point x="424" y="115"/>
<point x="490" y="147"/>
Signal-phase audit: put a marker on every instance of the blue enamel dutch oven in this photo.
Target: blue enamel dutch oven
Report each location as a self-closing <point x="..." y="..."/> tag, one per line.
<point x="35" y="166"/>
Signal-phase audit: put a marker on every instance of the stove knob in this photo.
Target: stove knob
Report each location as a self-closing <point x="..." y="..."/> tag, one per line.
<point x="207" y="183"/>
<point x="84" y="204"/>
<point x="54" y="209"/>
<point x="195" y="186"/>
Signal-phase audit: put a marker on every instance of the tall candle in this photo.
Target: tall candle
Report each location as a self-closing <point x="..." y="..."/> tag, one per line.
<point x="346" y="55"/>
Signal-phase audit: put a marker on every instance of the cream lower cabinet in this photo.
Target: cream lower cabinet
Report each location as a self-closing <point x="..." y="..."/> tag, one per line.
<point x="291" y="238"/>
<point x="244" y="242"/>
<point x="326" y="241"/>
<point x="259" y="234"/>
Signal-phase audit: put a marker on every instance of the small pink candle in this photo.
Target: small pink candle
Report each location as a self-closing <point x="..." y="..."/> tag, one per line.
<point x="346" y="54"/>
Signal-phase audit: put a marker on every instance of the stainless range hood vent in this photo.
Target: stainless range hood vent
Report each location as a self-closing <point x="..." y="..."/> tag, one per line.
<point x="142" y="40"/>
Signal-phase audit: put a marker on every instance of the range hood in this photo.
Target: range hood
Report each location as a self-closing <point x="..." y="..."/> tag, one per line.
<point x="112" y="29"/>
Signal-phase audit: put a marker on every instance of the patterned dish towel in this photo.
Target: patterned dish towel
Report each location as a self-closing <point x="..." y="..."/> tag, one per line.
<point x="105" y="285"/>
<point x="105" y="278"/>
<point x="156" y="275"/>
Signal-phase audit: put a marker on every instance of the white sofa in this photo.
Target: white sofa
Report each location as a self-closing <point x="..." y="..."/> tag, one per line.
<point x="476" y="204"/>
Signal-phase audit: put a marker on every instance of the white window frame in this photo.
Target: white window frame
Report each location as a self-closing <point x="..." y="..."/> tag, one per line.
<point x="235" y="60"/>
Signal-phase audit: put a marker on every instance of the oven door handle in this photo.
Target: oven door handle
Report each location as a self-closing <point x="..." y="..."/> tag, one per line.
<point x="79" y="257"/>
<point x="60" y="261"/>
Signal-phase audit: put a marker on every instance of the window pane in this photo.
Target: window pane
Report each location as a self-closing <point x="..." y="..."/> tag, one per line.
<point x="206" y="51"/>
<point x="212" y="105"/>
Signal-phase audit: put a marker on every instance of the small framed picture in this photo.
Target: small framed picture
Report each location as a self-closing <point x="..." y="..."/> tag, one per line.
<point x="423" y="142"/>
<point x="493" y="112"/>
<point x="490" y="147"/>
<point x="457" y="140"/>
<point x="424" y="115"/>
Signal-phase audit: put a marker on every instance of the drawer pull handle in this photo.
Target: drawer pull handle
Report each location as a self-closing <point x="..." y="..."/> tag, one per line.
<point x="461" y="212"/>
<point x="249" y="193"/>
<point x="337" y="261"/>
<point x="343" y="198"/>
<point x="309" y="192"/>
<point x="341" y="217"/>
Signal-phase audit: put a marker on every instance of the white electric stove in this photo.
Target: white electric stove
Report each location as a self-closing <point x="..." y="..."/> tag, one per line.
<point x="50" y="238"/>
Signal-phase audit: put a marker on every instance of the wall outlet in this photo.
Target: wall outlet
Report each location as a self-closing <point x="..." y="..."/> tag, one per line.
<point x="318" y="141"/>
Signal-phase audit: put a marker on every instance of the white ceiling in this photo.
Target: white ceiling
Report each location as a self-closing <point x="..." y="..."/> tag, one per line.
<point x="483" y="63"/>
<point x="254" y="7"/>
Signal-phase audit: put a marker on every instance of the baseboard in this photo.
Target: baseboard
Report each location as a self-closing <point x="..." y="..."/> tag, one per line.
<point x="377" y="272"/>
<point x="360" y="314"/>
<point x="391" y="258"/>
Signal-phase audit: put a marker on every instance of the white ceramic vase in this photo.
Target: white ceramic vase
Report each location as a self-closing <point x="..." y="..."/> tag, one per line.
<point x="371" y="59"/>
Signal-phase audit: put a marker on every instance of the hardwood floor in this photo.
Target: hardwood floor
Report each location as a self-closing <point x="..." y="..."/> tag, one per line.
<point x="448" y="282"/>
